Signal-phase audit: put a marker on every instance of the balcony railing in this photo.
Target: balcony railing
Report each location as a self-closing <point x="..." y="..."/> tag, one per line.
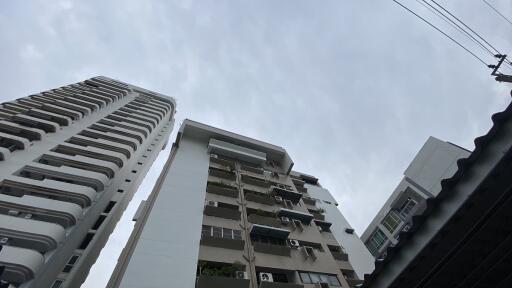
<point x="222" y="212"/>
<point x="256" y="181"/>
<point x="222" y="189"/>
<point x="341" y="256"/>
<point x="222" y="174"/>
<point x="272" y="249"/>
<point x="261" y="198"/>
<point x="221" y="282"/>
<point x="263" y="220"/>
<point x="227" y="243"/>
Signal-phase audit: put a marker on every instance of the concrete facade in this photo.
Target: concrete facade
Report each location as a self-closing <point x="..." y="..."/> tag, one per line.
<point x="71" y="159"/>
<point x="436" y="160"/>
<point x="227" y="211"/>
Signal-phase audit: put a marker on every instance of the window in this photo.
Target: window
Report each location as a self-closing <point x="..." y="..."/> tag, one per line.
<point x="57" y="284"/>
<point x="312" y="278"/>
<point x="407" y="207"/>
<point x="219" y="232"/>
<point x="392" y="221"/>
<point x="70" y="264"/>
<point x="376" y="241"/>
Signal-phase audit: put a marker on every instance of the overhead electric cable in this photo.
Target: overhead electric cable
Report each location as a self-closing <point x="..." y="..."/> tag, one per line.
<point x="461" y="29"/>
<point x="470" y="29"/>
<point x="498" y="12"/>
<point x="441" y="31"/>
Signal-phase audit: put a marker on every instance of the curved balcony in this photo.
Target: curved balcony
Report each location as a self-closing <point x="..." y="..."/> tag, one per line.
<point x="19" y="186"/>
<point x="102" y="144"/>
<point x="114" y="123"/>
<point x="92" y="152"/>
<point x="31" y="234"/>
<point x="94" y="180"/>
<point x="122" y="119"/>
<point x="131" y="115"/>
<point x="109" y="136"/>
<point x="62" y="120"/>
<point x="124" y="132"/>
<point x="109" y="169"/>
<point x="20" y="264"/>
<point x="47" y="126"/>
<point x="22" y="131"/>
<point x="47" y="210"/>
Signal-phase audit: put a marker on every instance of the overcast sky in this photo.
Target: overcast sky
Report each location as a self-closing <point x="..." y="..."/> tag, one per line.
<point x="351" y="88"/>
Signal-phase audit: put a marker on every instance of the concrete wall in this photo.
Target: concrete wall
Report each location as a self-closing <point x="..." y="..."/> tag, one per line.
<point x="359" y="256"/>
<point x="167" y="251"/>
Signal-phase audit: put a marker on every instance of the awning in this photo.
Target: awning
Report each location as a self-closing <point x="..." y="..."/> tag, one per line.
<point x="269" y="231"/>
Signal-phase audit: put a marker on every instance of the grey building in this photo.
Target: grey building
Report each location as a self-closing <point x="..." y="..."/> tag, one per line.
<point x="464" y="238"/>
<point x="70" y="160"/>
<point x="437" y="160"/>
<point x="228" y="211"/>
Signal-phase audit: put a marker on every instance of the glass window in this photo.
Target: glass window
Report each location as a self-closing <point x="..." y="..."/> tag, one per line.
<point x="324" y="278"/>
<point x="57" y="284"/>
<point x="304" y="276"/>
<point x="237" y="234"/>
<point x="73" y="259"/>
<point x="217" y="232"/>
<point x="227" y="233"/>
<point x="206" y="231"/>
<point x="407" y="207"/>
<point x="376" y="241"/>
<point x="315" y="278"/>
<point x="333" y="281"/>
<point x="392" y="221"/>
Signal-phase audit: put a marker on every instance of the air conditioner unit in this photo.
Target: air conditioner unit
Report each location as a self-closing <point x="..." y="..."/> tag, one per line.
<point x="4" y="240"/>
<point x="241" y="275"/>
<point x="264" y="276"/>
<point x="294" y="243"/>
<point x="28" y="216"/>
<point x="214" y="155"/>
<point x="211" y="203"/>
<point x="285" y="220"/>
<point x="310" y="252"/>
<point x="13" y="213"/>
<point x="279" y="199"/>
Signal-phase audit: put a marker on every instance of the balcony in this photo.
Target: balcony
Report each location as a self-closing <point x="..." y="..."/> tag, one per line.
<point x="258" y="197"/>
<point x="236" y="151"/>
<point x="221" y="282"/>
<point x="63" y="213"/>
<point x="264" y="220"/>
<point x="293" y="214"/>
<point x="223" y="212"/>
<point x="269" y="231"/>
<point x="223" y="243"/>
<point x="324" y="225"/>
<point x="20" y="264"/>
<point x="221" y="161"/>
<point x="228" y="175"/>
<point x="222" y="189"/>
<point x="272" y="249"/>
<point x="19" y="186"/>
<point x="266" y="284"/>
<point x="31" y="234"/>
<point x="256" y="181"/>
<point x="309" y="201"/>
<point x="341" y="256"/>
<point x="286" y="193"/>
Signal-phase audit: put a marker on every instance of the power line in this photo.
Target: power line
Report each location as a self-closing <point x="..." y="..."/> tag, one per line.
<point x="470" y="29"/>
<point x="497" y="11"/>
<point x="441" y="31"/>
<point x="457" y="26"/>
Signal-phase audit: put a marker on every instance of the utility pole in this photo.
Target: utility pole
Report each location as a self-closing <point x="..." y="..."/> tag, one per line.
<point x="500" y="77"/>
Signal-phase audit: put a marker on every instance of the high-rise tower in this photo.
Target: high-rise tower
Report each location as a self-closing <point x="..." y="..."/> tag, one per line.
<point x="228" y="211"/>
<point x="70" y="160"/>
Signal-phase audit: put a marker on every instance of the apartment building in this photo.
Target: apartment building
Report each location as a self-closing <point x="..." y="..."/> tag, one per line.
<point x="464" y="237"/>
<point x="70" y="160"/>
<point x="228" y="211"/>
<point x="436" y="160"/>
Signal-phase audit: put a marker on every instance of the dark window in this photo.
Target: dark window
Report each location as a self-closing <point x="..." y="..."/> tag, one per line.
<point x="227" y="233"/>
<point x="57" y="284"/>
<point x="86" y="241"/>
<point x="67" y="268"/>
<point x="207" y="230"/>
<point x="217" y="232"/>
<point x="304" y="276"/>
<point x="99" y="221"/>
<point x="120" y="190"/>
<point x="237" y="234"/>
<point x="109" y="207"/>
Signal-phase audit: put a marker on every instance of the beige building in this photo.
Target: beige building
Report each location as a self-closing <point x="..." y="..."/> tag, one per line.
<point x="70" y="160"/>
<point x="227" y="211"/>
